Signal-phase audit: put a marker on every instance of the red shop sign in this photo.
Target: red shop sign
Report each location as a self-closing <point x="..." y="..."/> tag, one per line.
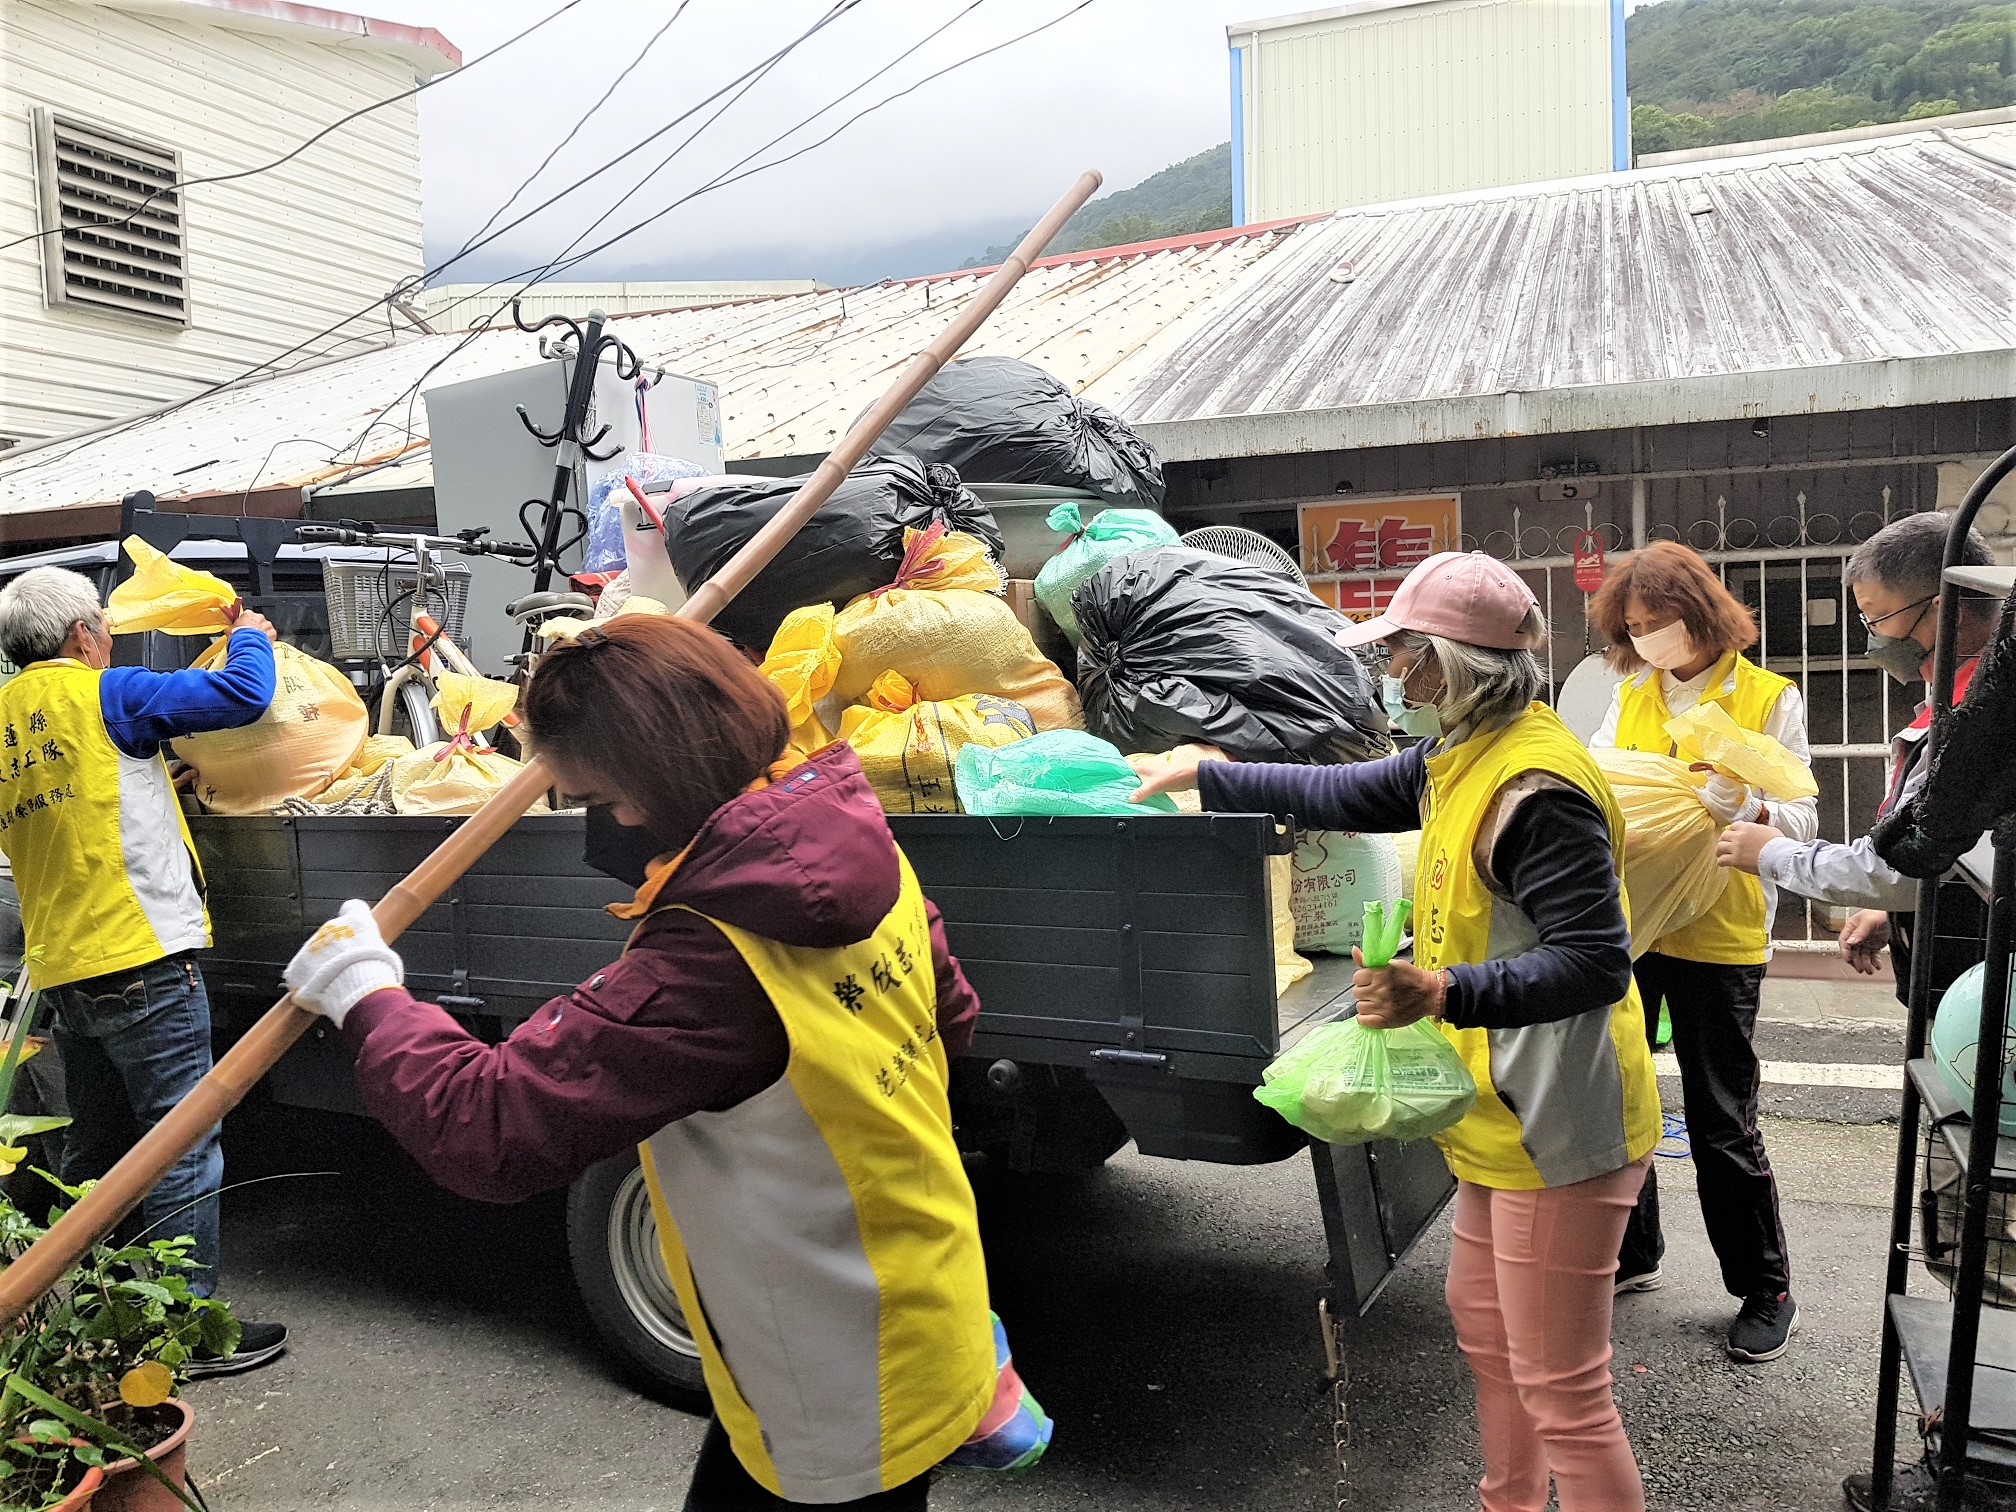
<point x="1588" y="561"/>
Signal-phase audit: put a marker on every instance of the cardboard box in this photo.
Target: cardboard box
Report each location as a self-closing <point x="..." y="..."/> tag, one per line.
<point x="1050" y="640"/>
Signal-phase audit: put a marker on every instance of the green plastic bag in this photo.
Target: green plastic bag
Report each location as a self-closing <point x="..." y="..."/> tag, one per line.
<point x="1347" y="1084"/>
<point x="1113" y="532"/>
<point x="1053" y="772"/>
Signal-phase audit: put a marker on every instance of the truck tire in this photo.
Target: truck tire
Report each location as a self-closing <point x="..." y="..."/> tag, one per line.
<point x="612" y="1242"/>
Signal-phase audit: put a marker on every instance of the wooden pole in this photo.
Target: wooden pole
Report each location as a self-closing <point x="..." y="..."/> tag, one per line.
<point x="95" y="1214"/>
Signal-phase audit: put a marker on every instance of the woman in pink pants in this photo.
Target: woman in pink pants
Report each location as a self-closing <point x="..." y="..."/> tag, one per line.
<point x="1522" y="957"/>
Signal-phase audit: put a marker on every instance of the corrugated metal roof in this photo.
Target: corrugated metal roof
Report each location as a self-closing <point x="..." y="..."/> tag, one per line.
<point x="1836" y="278"/>
<point x="793" y="372"/>
<point x="1898" y="248"/>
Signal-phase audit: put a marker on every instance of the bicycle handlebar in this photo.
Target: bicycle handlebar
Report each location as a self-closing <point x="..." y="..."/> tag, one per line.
<point x="340" y="535"/>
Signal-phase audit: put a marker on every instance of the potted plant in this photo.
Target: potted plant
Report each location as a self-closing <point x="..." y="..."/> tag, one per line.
<point x="88" y="1411"/>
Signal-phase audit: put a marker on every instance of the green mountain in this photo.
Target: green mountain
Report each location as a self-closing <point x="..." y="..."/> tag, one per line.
<point x="1193" y="195"/>
<point x="1703" y="72"/>
<point x="1700" y="72"/>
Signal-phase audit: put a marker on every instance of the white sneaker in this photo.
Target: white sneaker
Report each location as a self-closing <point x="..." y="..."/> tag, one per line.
<point x="1643" y="1281"/>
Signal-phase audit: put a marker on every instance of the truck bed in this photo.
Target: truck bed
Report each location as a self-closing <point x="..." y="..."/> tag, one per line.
<point x="1136" y="951"/>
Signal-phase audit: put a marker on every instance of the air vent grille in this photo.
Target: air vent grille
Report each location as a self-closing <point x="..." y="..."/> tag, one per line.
<point x="113" y="214"/>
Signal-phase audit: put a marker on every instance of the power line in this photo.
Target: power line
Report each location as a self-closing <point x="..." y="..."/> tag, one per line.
<point x="356" y="445"/>
<point x="745" y="81"/>
<point x="731" y="177"/>
<point x="574" y="130"/>
<point x="925" y="41"/>
<point x="834" y="12"/>
<point x="287" y="157"/>
<point x="563" y="261"/>
<point x="559" y="260"/>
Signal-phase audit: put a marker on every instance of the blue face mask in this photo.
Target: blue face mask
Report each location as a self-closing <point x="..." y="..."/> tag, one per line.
<point x="1408" y="719"/>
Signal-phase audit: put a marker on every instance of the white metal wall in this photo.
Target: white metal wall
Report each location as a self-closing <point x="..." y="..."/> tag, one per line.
<point x="273" y="258"/>
<point x="1393" y="103"/>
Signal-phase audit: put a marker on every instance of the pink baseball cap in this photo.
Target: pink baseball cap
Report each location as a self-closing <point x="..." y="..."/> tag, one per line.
<point x="1463" y="595"/>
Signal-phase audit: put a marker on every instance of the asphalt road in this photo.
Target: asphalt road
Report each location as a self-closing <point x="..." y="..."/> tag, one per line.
<point x="1163" y="1312"/>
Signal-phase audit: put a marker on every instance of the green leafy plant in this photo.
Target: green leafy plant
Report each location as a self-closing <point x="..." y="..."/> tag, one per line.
<point x="88" y="1365"/>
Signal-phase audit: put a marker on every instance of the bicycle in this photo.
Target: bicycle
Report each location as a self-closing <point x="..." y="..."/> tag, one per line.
<point x="365" y="625"/>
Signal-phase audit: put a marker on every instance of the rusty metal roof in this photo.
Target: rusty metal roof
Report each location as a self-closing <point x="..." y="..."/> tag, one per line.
<point x="793" y="372"/>
<point x="1872" y="251"/>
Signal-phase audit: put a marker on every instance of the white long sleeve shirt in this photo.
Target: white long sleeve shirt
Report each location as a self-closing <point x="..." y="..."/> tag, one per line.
<point x="1799" y="819"/>
<point x="1850" y="875"/>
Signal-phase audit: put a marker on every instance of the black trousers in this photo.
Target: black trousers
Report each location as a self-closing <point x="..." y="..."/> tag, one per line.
<point x="720" y="1484"/>
<point x="1714" y="1014"/>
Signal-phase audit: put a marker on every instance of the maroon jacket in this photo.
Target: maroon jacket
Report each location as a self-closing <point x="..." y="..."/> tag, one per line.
<point x="677" y="1025"/>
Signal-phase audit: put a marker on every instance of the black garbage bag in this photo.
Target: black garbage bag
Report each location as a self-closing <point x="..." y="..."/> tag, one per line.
<point x="852" y="546"/>
<point x="1970" y="784"/>
<point x="1002" y="420"/>
<point x="1182" y="645"/>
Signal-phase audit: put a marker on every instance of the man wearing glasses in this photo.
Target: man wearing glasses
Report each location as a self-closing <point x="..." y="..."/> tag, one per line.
<point x="1895" y="578"/>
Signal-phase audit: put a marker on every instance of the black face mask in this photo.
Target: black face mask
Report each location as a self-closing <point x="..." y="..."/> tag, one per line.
<point x="622" y="851"/>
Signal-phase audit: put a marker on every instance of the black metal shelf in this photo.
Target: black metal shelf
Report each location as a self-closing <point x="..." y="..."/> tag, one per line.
<point x="1948" y="1117"/>
<point x="1923" y="1328"/>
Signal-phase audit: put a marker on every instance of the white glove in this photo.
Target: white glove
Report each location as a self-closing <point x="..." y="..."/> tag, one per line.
<point x="344" y="962"/>
<point x="1727" y="799"/>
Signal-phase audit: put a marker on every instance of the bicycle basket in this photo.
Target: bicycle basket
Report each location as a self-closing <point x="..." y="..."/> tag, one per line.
<point x="371" y="607"/>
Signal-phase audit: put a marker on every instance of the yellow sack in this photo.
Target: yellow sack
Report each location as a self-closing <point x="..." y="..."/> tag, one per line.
<point x="311" y="732"/>
<point x="457" y="776"/>
<point x="1707" y="733"/>
<point x="803" y="663"/>
<point x="366" y="787"/>
<point x="941" y="626"/>
<point x="468" y="705"/>
<point x="166" y="596"/>
<point x="1670" y="875"/>
<point x="378" y="749"/>
<point x="907" y="748"/>
<point x="1289" y="966"/>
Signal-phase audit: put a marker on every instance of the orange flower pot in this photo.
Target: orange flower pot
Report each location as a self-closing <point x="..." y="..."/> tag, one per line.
<point x="128" y="1488"/>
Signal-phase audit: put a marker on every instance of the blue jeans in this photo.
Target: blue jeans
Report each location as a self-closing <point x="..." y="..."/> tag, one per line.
<point x="133" y="1044"/>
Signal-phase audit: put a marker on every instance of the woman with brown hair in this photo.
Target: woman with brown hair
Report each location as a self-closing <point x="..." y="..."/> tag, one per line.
<point x="1679" y="635"/>
<point x="775" y="1040"/>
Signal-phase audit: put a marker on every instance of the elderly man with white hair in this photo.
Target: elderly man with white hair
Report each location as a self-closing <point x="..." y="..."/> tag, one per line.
<point x="111" y="897"/>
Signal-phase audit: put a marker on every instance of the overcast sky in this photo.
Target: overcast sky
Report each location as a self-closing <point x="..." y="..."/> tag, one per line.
<point x="1126" y="86"/>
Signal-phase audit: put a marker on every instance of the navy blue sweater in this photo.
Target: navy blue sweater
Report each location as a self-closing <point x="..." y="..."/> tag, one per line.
<point x="144" y="709"/>
<point x="1553" y="858"/>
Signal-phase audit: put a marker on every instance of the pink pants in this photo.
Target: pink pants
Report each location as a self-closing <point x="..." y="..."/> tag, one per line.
<point x="1529" y="1289"/>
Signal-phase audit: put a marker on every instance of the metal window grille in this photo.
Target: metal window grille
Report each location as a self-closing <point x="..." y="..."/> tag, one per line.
<point x="112" y="214"/>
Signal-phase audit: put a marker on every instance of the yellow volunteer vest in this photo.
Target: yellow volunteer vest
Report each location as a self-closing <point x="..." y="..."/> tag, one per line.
<point x="1734" y="932"/>
<point x="1586" y="1100"/>
<point x="822" y="1236"/>
<point x="101" y="854"/>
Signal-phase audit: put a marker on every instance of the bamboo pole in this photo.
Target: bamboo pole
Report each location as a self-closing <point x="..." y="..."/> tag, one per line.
<point x="95" y="1215"/>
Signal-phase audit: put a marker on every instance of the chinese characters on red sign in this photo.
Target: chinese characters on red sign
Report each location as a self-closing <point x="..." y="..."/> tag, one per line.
<point x="1356" y="554"/>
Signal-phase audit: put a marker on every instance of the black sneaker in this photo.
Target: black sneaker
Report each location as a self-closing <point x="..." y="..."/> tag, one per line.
<point x="1763" y="1328"/>
<point x="258" y="1344"/>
